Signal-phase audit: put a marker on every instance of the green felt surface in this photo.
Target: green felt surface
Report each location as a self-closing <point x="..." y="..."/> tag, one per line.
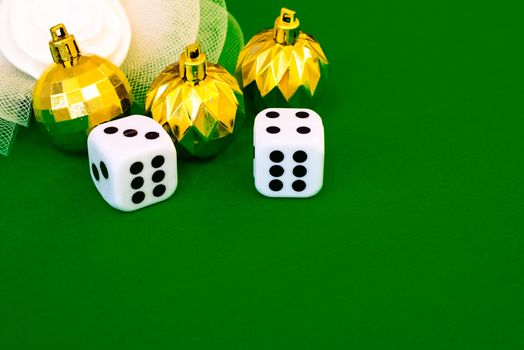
<point x="416" y="240"/>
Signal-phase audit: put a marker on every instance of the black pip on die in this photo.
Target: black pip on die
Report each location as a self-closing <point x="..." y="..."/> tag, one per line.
<point x="133" y="162"/>
<point x="289" y="152"/>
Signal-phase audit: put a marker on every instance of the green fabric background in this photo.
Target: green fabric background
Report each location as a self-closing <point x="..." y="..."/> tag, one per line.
<point x="416" y="240"/>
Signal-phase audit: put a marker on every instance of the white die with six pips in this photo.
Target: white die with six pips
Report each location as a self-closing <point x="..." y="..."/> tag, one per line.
<point x="133" y="162"/>
<point x="289" y="152"/>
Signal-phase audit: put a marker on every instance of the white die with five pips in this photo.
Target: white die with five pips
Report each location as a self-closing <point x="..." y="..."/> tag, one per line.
<point x="289" y="152"/>
<point x="133" y="162"/>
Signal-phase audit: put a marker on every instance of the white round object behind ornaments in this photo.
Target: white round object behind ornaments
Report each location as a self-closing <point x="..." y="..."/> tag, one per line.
<point x="100" y="27"/>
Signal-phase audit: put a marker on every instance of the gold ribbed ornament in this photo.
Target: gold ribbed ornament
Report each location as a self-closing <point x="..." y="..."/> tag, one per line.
<point x="78" y="92"/>
<point x="283" y="66"/>
<point x="200" y="104"/>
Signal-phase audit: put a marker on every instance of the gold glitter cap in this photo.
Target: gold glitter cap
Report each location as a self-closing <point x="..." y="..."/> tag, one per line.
<point x="193" y="64"/>
<point x="63" y="46"/>
<point x="286" y="27"/>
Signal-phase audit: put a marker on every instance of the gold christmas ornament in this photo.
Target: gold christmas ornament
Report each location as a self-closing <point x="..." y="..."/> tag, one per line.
<point x="283" y="66"/>
<point x="78" y="92"/>
<point x="200" y="104"/>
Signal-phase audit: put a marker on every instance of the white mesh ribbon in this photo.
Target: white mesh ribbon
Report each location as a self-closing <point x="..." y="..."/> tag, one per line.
<point x="15" y="102"/>
<point x="160" y="29"/>
<point x="213" y="27"/>
<point x="232" y="46"/>
<point x="7" y="134"/>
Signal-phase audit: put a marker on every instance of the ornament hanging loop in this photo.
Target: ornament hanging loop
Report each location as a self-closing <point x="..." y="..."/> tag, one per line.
<point x="193" y="63"/>
<point x="63" y="46"/>
<point x="286" y="27"/>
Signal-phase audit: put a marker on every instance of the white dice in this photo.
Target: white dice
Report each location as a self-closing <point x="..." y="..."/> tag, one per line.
<point x="133" y="162"/>
<point x="289" y="152"/>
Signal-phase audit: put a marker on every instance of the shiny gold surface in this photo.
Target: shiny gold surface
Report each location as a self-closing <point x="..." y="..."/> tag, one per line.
<point x="275" y="61"/>
<point x="77" y="93"/>
<point x="63" y="46"/>
<point x="193" y="64"/>
<point x="286" y="27"/>
<point x="201" y="115"/>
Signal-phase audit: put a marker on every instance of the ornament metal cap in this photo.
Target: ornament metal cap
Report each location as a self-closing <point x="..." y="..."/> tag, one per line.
<point x="63" y="46"/>
<point x="286" y="27"/>
<point x="193" y="64"/>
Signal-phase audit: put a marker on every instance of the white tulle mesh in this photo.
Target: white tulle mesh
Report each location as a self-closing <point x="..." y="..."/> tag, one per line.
<point x="15" y="102"/>
<point x="15" y="93"/>
<point x="7" y="134"/>
<point x="171" y="25"/>
<point x="232" y="46"/>
<point x="161" y="29"/>
<point x="160" y="32"/>
<point x="213" y="27"/>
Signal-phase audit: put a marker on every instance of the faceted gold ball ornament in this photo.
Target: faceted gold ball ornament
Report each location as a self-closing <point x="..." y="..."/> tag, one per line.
<point x="78" y="92"/>
<point x="283" y="66"/>
<point x="200" y="104"/>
